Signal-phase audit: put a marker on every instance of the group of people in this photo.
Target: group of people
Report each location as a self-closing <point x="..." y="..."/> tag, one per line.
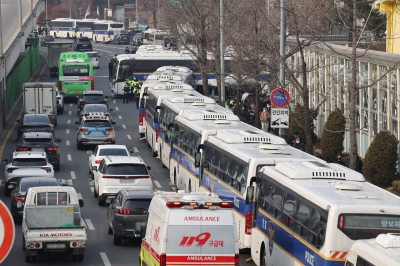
<point x="131" y="51"/>
<point x="132" y="87"/>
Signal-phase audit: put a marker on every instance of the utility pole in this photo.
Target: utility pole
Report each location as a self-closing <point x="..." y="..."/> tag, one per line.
<point x="282" y="50"/>
<point x="222" y="51"/>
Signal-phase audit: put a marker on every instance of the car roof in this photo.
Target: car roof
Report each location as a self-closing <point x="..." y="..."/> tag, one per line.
<point x="38" y="179"/>
<point x="28" y="154"/>
<point x="37" y="135"/>
<point x="124" y="159"/>
<point x="95" y="105"/>
<point x="138" y="194"/>
<point x="111" y="146"/>
<point x="35" y="115"/>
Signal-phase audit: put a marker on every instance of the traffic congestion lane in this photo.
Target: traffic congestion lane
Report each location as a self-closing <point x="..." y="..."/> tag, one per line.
<point x="74" y="170"/>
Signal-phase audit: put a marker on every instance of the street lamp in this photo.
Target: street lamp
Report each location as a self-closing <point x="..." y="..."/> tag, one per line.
<point x="70" y="9"/>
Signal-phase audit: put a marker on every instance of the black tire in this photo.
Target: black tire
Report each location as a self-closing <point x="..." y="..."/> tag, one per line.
<point x="90" y="171"/>
<point x="94" y="192"/>
<point x="23" y="243"/>
<point x="160" y="156"/>
<point x="79" y="145"/>
<point x="101" y="202"/>
<point x="6" y="190"/>
<point x="110" y="231"/>
<point x="116" y="240"/>
<point x="60" y="111"/>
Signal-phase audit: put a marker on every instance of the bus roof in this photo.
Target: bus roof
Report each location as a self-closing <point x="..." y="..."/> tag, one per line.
<point x="174" y="69"/>
<point x="168" y="86"/>
<point x="217" y="112"/>
<point x="194" y="98"/>
<point x="144" y="48"/>
<point x="73" y="55"/>
<point x="164" y="77"/>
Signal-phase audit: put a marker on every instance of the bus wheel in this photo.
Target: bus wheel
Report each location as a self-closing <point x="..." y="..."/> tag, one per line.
<point x="67" y="35"/>
<point x="263" y="256"/>
<point x="55" y="35"/>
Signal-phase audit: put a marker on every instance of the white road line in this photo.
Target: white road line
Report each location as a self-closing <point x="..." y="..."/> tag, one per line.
<point x="69" y="122"/>
<point x="70" y="104"/>
<point x="174" y="188"/>
<point x="73" y="176"/>
<point x="79" y="195"/>
<point x="67" y="142"/>
<point x="67" y="131"/>
<point x="70" y="112"/>
<point x="135" y="149"/>
<point x="129" y="136"/>
<point x="69" y="157"/>
<point x="119" y="116"/>
<point x="123" y="126"/>
<point x="90" y="225"/>
<point x="116" y="108"/>
<point x="92" y="189"/>
<point x="114" y="101"/>
<point x="105" y="259"/>
<point x="157" y="183"/>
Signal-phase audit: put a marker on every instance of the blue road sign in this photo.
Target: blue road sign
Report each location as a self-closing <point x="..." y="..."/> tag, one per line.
<point x="129" y="6"/>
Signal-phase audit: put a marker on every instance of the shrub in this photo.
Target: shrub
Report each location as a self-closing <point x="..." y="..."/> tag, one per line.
<point x="396" y="186"/>
<point x="379" y="165"/>
<point x="333" y="135"/>
<point x="298" y="112"/>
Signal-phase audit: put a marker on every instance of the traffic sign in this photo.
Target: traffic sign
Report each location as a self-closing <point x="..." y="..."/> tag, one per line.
<point x="129" y="6"/>
<point x="279" y="118"/>
<point x="280" y="97"/>
<point x="7" y="231"/>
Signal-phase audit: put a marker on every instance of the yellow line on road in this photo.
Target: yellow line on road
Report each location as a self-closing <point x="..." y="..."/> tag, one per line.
<point x="3" y="145"/>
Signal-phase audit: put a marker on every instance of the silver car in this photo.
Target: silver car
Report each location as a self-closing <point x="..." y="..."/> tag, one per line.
<point x="60" y="101"/>
<point x="94" y="59"/>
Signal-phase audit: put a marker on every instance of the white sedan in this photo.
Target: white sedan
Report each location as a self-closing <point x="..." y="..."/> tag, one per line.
<point x="25" y="164"/>
<point x="101" y="151"/>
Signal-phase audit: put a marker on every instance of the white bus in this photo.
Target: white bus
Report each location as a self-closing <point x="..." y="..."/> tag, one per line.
<point x="84" y="28"/>
<point x="381" y="251"/>
<point x="228" y="160"/>
<point x="62" y="27"/>
<point x="167" y="88"/>
<point x="104" y="30"/>
<point x="177" y="103"/>
<point x="311" y="213"/>
<point x="186" y="73"/>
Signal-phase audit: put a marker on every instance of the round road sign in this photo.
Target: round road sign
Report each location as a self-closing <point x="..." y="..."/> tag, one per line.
<point x="280" y="97"/>
<point x="7" y="231"/>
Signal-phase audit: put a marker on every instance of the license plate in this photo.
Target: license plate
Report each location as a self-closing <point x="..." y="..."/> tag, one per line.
<point x="97" y="133"/>
<point x="76" y="91"/>
<point x="56" y="246"/>
<point x="124" y="181"/>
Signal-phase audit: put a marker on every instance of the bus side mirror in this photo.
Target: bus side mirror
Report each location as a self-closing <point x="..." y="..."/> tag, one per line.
<point x="197" y="159"/>
<point x="249" y="194"/>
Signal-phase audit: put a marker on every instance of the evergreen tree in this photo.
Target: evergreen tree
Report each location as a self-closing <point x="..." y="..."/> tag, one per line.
<point x="333" y="135"/>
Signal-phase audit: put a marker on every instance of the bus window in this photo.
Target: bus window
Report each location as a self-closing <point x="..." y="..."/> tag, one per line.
<point x="276" y="200"/>
<point x="362" y="262"/>
<point x="289" y="210"/>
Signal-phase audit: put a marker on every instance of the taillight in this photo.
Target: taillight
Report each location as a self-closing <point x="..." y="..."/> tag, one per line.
<point x="109" y="129"/>
<point x="74" y="244"/>
<point x="46" y="128"/>
<point x="19" y="198"/>
<point x="23" y="149"/>
<point x="97" y="161"/>
<point x="249" y="222"/>
<point x="124" y="211"/>
<point x="140" y="119"/>
<point x="11" y="169"/>
<point x="237" y="260"/>
<point x="341" y="222"/>
<point x="51" y="148"/>
<point x="47" y="169"/>
<point x="23" y="128"/>
<point x="163" y="259"/>
<point x="97" y="59"/>
<point x="82" y="129"/>
<point x="92" y="86"/>
<point x="157" y="135"/>
<point x="60" y="85"/>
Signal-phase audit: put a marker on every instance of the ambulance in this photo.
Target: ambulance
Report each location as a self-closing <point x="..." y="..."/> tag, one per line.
<point x="384" y="250"/>
<point x="189" y="229"/>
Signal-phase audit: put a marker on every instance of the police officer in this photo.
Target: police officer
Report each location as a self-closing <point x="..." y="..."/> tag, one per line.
<point x="74" y="35"/>
<point x="133" y="50"/>
<point x="115" y="56"/>
<point x="127" y="51"/>
<point x="127" y="91"/>
<point x="110" y="69"/>
<point x="136" y="91"/>
<point x="132" y="83"/>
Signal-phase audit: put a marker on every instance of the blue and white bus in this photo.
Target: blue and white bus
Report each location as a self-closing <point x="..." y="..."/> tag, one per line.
<point x="84" y="27"/>
<point x="228" y="161"/>
<point x="62" y="27"/>
<point x="311" y="213"/>
<point x="104" y="30"/>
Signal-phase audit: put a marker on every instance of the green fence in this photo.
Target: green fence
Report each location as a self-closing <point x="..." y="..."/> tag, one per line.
<point x="21" y="74"/>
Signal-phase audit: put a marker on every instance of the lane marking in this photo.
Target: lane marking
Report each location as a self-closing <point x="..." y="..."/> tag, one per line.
<point x="114" y="101"/>
<point x="73" y="176"/>
<point x="135" y="149"/>
<point x="70" y="112"/>
<point x="157" y="183"/>
<point x="92" y="189"/>
<point x="89" y="224"/>
<point x="123" y="126"/>
<point x="69" y="122"/>
<point x="116" y="108"/>
<point x="67" y="142"/>
<point x="69" y="157"/>
<point x="70" y="104"/>
<point x="129" y="136"/>
<point x="67" y="131"/>
<point x="119" y="116"/>
<point x="105" y="259"/>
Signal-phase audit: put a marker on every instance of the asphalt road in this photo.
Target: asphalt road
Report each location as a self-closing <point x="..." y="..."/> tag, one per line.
<point x="74" y="168"/>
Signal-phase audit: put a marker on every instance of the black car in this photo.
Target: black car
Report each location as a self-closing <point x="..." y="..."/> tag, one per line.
<point x="41" y="141"/>
<point x="34" y="123"/>
<point x="123" y="38"/>
<point x="46" y="39"/>
<point x="91" y="97"/>
<point x="19" y="193"/>
<point x="126" y="215"/>
<point x="95" y="108"/>
<point x="83" y="44"/>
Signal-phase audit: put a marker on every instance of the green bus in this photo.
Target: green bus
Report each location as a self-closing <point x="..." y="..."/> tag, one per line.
<point x="75" y="73"/>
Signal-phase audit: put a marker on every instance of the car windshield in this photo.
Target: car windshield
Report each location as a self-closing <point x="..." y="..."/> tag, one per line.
<point x="95" y="108"/>
<point x="113" y="152"/>
<point x="93" y="98"/>
<point x="36" y="119"/>
<point x="92" y="54"/>
<point x="96" y="123"/>
<point x="126" y="169"/>
<point x="37" y="140"/>
<point x="135" y="204"/>
<point x="39" y="183"/>
<point x="29" y="162"/>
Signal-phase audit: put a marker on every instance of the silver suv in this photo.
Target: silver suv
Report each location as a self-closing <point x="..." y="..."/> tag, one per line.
<point x="95" y="128"/>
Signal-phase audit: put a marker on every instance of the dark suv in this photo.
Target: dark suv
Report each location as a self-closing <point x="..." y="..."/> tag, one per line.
<point x="123" y="38"/>
<point x="91" y="97"/>
<point x="34" y="123"/>
<point x="83" y="44"/>
<point x="41" y="141"/>
<point x="126" y="215"/>
<point x="46" y="39"/>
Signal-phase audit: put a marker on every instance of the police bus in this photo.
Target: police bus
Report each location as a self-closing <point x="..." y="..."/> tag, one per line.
<point x="157" y="89"/>
<point x="176" y="102"/>
<point x="311" y="213"/>
<point x="84" y="28"/>
<point x="229" y="159"/>
<point x="105" y="30"/>
<point x="62" y="27"/>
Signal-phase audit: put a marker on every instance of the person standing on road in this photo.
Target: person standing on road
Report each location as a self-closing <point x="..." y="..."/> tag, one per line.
<point x="127" y="51"/>
<point x="127" y="91"/>
<point x="110" y="69"/>
<point x="138" y="87"/>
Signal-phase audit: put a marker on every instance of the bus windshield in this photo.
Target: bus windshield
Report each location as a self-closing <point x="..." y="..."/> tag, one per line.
<point x="124" y="70"/>
<point x="75" y="70"/>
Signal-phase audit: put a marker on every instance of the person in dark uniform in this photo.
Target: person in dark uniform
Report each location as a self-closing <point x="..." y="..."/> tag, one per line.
<point x="110" y="69"/>
<point x="127" y="91"/>
<point x="127" y="51"/>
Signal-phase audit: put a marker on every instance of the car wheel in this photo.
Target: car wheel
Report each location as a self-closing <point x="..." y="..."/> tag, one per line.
<point x="101" y="202"/>
<point x="116" y="240"/>
<point x="94" y="191"/>
<point x="23" y="243"/>
<point x="79" y="145"/>
<point x="160" y="156"/>
<point x="90" y="171"/>
<point x="110" y="231"/>
<point x="6" y="190"/>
